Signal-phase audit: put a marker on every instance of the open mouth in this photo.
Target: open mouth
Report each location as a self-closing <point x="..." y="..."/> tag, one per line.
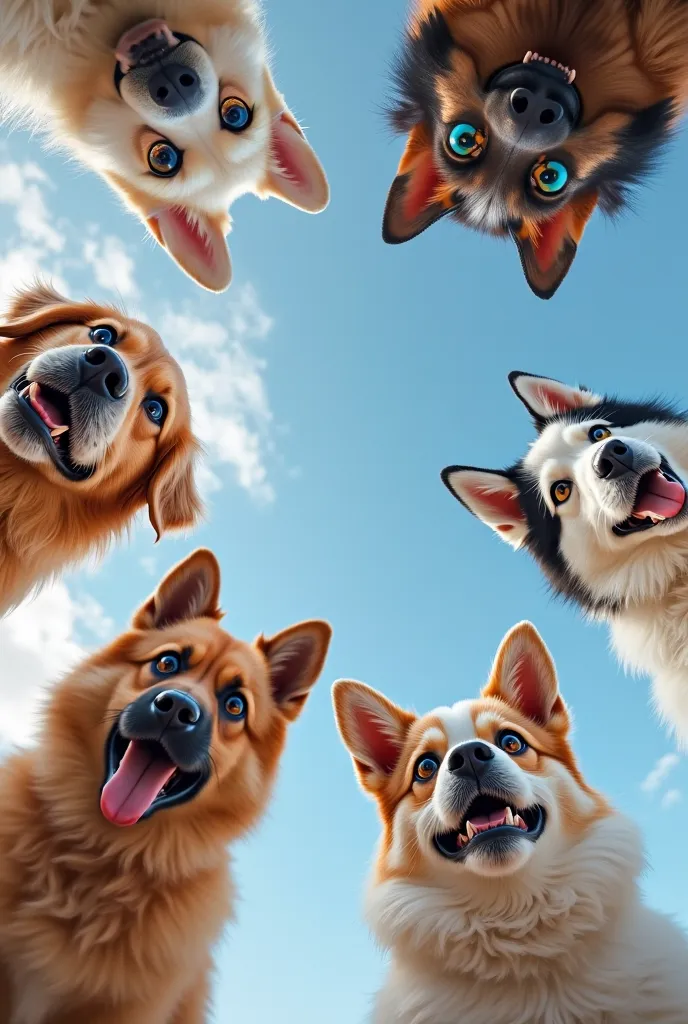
<point x="491" y="821"/>
<point x="141" y="778"/>
<point x="537" y="58"/>
<point x="660" y="496"/>
<point x="46" y="410"/>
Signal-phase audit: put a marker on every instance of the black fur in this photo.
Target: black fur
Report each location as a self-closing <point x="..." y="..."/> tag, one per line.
<point x="414" y="70"/>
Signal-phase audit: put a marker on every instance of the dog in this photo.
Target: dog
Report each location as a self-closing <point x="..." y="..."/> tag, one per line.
<point x="154" y="754"/>
<point x="94" y="425"/>
<point x="505" y="887"/>
<point x="600" y="502"/>
<point x="177" y="112"/>
<point x="524" y="116"/>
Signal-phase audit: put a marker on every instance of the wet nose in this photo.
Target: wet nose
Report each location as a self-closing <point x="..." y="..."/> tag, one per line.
<point x="176" y="710"/>
<point x="613" y="460"/>
<point x="104" y="372"/>
<point x="175" y="87"/>
<point x="470" y="760"/>
<point x="535" y="109"/>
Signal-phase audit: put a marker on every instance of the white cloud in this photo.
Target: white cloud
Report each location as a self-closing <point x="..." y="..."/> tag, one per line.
<point x="654" y="779"/>
<point x="113" y="267"/>
<point x="21" y="186"/>
<point x="671" y="798"/>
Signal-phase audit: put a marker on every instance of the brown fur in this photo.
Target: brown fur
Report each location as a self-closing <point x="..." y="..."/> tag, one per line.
<point x="115" y="925"/>
<point x="47" y="522"/>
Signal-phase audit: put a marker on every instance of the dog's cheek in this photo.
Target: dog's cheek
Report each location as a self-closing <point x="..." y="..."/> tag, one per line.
<point x="16" y="435"/>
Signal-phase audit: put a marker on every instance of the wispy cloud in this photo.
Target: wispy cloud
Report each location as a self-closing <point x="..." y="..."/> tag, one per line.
<point x="656" y="776"/>
<point x="671" y="798"/>
<point x="113" y="266"/>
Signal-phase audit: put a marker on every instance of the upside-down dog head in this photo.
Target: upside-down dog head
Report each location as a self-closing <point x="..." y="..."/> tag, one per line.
<point x="600" y="500"/>
<point x="177" y="721"/>
<point x="483" y="811"/>
<point x="181" y="117"/>
<point x="520" y="146"/>
<point x="92" y="404"/>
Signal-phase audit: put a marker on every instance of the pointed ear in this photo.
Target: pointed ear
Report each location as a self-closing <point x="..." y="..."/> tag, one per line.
<point x="492" y="497"/>
<point x="295" y="174"/>
<point x="189" y="591"/>
<point x="417" y="198"/>
<point x="373" y="730"/>
<point x="196" y="242"/>
<point x="173" y="501"/>
<point x="524" y="676"/>
<point x="545" y="398"/>
<point x="295" y="659"/>
<point x="548" y="248"/>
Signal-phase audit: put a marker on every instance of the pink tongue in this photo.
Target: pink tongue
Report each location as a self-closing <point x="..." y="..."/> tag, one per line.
<point x="659" y="496"/>
<point x="141" y="775"/>
<point x="48" y="412"/>
<point x="483" y="821"/>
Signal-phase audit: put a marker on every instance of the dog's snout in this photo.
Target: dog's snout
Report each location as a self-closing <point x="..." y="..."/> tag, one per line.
<point x="175" y="87"/>
<point x="176" y="709"/>
<point x="528" y="107"/>
<point x="470" y="759"/>
<point x="532" y="107"/>
<point x="103" y="372"/>
<point x="613" y="460"/>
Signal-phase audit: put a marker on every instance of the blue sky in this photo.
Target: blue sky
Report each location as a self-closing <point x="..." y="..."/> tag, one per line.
<point x="345" y="374"/>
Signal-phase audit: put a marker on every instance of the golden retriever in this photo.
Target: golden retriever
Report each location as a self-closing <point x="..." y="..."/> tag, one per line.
<point x="154" y="754"/>
<point x="172" y="103"/>
<point x="94" y="425"/>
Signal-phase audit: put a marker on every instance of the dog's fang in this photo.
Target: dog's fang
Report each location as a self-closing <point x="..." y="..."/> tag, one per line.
<point x="56" y="431"/>
<point x="509" y="816"/>
<point x="520" y="823"/>
<point x="470" y="831"/>
<point x="527" y="58"/>
<point x="462" y="840"/>
<point x="572" y="75"/>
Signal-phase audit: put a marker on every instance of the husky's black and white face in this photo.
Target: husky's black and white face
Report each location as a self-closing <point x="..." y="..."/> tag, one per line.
<point x="600" y="499"/>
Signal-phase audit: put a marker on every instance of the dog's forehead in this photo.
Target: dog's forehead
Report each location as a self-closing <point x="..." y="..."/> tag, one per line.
<point x="558" y="441"/>
<point x="453" y="725"/>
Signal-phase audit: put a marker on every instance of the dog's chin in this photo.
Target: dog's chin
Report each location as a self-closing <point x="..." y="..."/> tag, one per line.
<point x="503" y="840"/>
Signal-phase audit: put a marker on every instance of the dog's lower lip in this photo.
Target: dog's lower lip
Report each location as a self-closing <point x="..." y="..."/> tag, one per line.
<point x="54" y="444"/>
<point x="456" y="844"/>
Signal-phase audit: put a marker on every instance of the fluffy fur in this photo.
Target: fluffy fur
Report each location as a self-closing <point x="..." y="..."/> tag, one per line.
<point x="460" y="64"/>
<point x="61" y="67"/>
<point x="119" y="459"/>
<point x="628" y="569"/>
<point x="516" y="926"/>
<point x="114" y="925"/>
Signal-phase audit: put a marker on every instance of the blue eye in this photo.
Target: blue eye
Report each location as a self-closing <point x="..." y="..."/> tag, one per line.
<point x="168" y="664"/>
<point x="466" y="141"/>
<point x="426" y="768"/>
<point x="235" y="114"/>
<point x="164" y="159"/>
<point x="511" y="742"/>
<point x="103" y="335"/>
<point x="156" y="409"/>
<point x="549" y="177"/>
<point x="235" y="707"/>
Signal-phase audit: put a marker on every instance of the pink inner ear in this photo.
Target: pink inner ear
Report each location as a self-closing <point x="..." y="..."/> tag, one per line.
<point x="558" y="401"/>
<point x="526" y="681"/>
<point x="501" y="503"/>
<point x="421" y="187"/>
<point x="286" y="156"/>
<point x="383" y="749"/>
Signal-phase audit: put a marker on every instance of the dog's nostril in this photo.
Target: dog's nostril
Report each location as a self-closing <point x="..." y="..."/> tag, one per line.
<point x="162" y="93"/>
<point x="113" y="383"/>
<point x="604" y="467"/>
<point x="188" y="716"/>
<point x="620" y="449"/>
<point x="456" y="762"/>
<point x="95" y="356"/>
<point x="483" y="754"/>
<point x="547" y="116"/>
<point x="164" y="702"/>
<point x="519" y="102"/>
<point x="187" y="80"/>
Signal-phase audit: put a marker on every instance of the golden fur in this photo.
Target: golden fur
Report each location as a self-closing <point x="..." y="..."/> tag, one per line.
<point x="46" y="521"/>
<point x="102" y="924"/>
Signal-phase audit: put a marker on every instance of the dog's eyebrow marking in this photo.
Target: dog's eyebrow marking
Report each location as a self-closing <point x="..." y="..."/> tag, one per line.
<point x="457" y="721"/>
<point x="431" y="735"/>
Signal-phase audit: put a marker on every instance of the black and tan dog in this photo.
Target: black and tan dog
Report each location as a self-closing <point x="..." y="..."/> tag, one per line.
<point x="523" y="116"/>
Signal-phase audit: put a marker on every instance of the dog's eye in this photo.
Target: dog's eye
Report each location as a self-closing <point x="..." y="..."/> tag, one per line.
<point x="235" y="114"/>
<point x="561" y="491"/>
<point x="235" y="707"/>
<point x="103" y="335"/>
<point x="426" y="768"/>
<point x="466" y="142"/>
<point x="511" y="742"/>
<point x="599" y="434"/>
<point x="156" y="409"/>
<point x="168" y="664"/>
<point x="164" y="159"/>
<point x="549" y="177"/>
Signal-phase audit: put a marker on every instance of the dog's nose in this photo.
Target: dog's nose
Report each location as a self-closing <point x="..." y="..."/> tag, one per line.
<point x="532" y="106"/>
<point x="175" y="87"/>
<point x="104" y="372"/>
<point x="613" y="460"/>
<point x="176" y="709"/>
<point x="470" y="760"/>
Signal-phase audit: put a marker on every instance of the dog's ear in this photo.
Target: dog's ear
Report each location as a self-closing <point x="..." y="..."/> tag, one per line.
<point x="545" y="398"/>
<point x="373" y="730"/>
<point x="548" y="248"/>
<point x="492" y="497"/>
<point x="191" y="590"/>
<point x="172" y="497"/>
<point x="40" y="307"/>
<point x="295" y="659"/>
<point x="416" y="199"/>
<point x="197" y="243"/>
<point x="523" y="675"/>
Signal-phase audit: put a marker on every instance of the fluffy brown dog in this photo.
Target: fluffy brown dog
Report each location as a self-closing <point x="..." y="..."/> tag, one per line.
<point x="154" y="754"/>
<point x="524" y="115"/>
<point x="94" y="425"/>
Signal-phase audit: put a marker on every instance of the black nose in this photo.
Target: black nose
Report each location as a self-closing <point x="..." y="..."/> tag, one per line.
<point x="532" y="106"/>
<point x="176" y="710"/>
<point x="175" y="87"/>
<point x="104" y="372"/>
<point x="470" y="759"/>
<point x="613" y="460"/>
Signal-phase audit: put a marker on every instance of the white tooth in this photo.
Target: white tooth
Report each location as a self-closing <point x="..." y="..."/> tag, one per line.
<point x="470" y="831"/>
<point x="509" y="816"/>
<point x="462" y="840"/>
<point x="56" y="431"/>
<point x="25" y="392"/>
<point x="519" y="822"/>
<point x="572" y="75"/>
<point x="526" y="59"/>
<point x="536" y="56"/>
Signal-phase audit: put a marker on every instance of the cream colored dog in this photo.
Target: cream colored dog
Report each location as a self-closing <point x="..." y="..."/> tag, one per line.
<point x="172" y="102"/>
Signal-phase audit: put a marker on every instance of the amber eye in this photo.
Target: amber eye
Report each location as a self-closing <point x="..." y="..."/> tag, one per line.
<point x="511" y="742"/>
<point x="235" y="707"/>
<point x="168" y="664"/>
<point x="426" y="768"/>
<point x="164" y="159"/>
<point x="561" y="491"/>
<point x="599" y="434"/>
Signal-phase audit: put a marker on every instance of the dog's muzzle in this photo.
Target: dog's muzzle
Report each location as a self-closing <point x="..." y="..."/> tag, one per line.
<point x="162" y="73"/>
